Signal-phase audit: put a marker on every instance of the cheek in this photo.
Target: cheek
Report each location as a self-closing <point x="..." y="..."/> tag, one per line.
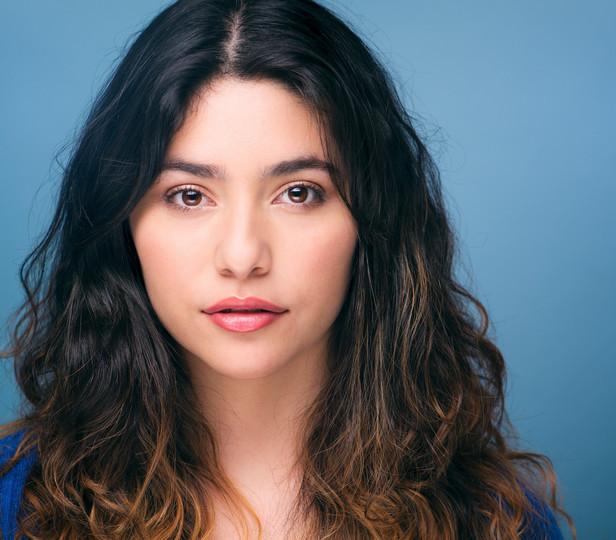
<point x="164" y="258"/>
<point x="324" y="265"/>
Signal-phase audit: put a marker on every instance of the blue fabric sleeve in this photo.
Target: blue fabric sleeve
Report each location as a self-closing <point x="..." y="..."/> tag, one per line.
<point x="544" y="527"/>
<point x="12" y="484"/>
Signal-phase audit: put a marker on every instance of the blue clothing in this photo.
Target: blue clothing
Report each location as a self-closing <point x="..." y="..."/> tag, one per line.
<point x="12" y="485"/>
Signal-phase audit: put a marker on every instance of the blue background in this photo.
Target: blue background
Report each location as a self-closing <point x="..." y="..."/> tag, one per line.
<point x="517" y="102"/>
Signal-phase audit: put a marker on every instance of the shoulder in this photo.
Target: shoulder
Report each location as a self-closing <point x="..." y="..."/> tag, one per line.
<point x="8" y="446"/>
<point x="542" y="523"/>
<point x="12" y="482"/>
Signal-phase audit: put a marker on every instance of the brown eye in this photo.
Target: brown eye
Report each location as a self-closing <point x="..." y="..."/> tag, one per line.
<point x="185" y="198"/>
<point x="190" y="197"/>
<point x="304" y="195"/>
<point x="298" y="194"/>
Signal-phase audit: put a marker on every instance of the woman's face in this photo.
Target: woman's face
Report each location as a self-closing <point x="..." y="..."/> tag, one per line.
<point x="219" y="222"/>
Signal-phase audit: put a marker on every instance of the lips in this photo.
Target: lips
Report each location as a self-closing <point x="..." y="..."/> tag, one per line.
<point x="244" y="305"/>
<point x="244" y="321"/>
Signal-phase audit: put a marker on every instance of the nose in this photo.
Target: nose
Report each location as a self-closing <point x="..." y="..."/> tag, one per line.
<point x="243" y="248"/>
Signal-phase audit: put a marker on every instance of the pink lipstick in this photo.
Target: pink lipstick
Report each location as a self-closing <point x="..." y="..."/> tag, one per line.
<point x="244" y="314"/>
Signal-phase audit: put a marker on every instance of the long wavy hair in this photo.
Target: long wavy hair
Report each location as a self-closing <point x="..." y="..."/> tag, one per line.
<point x="408" y="437"/>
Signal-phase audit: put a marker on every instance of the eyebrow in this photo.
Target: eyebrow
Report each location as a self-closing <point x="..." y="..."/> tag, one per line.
<point x="206" y="170"/>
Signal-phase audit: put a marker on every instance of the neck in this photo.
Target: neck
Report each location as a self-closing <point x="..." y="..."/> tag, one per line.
<point x="259" y="423"/>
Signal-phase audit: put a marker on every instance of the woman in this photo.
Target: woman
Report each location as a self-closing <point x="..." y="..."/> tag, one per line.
<point x="243" y="321"/>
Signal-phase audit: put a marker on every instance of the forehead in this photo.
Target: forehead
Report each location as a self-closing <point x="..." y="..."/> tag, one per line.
<point x="234" y="118"/>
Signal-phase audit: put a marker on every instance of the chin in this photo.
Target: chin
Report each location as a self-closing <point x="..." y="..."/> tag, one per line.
<point x="240" y="365"/>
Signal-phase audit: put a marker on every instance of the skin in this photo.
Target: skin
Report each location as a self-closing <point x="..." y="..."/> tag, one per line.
<point x="246" y="236"/>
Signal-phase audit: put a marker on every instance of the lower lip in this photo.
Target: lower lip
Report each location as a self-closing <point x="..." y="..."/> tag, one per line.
<point x="244" y="322"/>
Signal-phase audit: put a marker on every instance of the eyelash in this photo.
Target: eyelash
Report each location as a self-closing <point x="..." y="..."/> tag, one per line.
<point x="319" y="196"/>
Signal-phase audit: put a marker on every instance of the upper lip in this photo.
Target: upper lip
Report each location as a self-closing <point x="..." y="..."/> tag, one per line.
<point x="252" y="302"/>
